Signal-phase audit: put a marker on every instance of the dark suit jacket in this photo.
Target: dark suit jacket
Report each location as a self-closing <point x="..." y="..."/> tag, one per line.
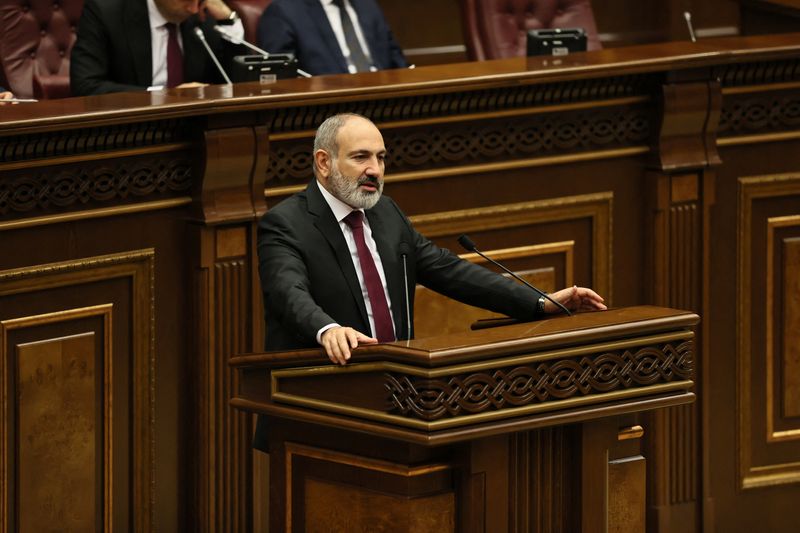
<point x="300" y="27"/>
<point x="309" y="281"/>
<point x="113" y="51"/>
<point x="308" y="278"/>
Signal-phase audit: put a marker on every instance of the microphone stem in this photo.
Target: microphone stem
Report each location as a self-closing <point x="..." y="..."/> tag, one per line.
<point x="213" y="56"/>
<point x="558" y="304"/>
<point x="408" y="307"/>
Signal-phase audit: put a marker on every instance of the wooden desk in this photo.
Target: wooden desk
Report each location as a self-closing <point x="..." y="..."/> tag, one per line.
<point x="662" y="174"/>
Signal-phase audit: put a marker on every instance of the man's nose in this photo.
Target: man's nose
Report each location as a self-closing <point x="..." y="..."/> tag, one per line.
<point x="373" y="167"/>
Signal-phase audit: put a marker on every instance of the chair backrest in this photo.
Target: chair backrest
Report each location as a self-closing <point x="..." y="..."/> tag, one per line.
<point x="36" y="38"/>
<point x="495" y="29"/>
<point x="250" y="12"/>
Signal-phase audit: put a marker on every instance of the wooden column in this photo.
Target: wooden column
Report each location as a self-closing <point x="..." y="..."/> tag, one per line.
<point x="681" y="193"/>
<point x="227" y="321"/>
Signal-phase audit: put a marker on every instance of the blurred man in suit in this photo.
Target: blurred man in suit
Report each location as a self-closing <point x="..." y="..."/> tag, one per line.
<point x="330" y="36"/>
<point x="134" y="45"/>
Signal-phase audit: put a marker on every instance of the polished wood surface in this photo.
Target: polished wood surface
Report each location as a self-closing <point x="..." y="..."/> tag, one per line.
<point x="664" y="175"/>
<point x="521" y="394"/>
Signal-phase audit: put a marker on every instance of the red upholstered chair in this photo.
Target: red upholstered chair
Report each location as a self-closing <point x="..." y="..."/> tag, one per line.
<point x="36" y="38"/>
<point x="249" y="11"/>
<point x="495" y="29"/>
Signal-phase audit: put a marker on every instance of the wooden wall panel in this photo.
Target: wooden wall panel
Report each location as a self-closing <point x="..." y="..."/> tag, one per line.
<point x="769" y="441"/>
<point x="783" y="336"/>
<point x="66" y="376"/>
<point x="59" y="464"/>
<point x="790" y="341"/>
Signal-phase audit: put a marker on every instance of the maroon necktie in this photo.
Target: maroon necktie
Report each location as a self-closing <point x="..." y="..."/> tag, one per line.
<point x="384" y="330"/>
<point x="174" y="57"/>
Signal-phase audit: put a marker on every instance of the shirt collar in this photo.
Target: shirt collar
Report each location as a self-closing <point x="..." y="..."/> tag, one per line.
<point x="339" y="208"/>
<point x="157" y="20"/>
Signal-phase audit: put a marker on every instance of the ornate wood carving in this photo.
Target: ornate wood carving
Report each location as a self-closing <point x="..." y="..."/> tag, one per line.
<point x="59" y="143"/>
<point x="478" y="392"/>
<point x="467" y="141"/>
<point x="87" y="185"/>
<point x="764" y="112"/>
<point x="466" y="102"/>
<point x="761" y="73"/>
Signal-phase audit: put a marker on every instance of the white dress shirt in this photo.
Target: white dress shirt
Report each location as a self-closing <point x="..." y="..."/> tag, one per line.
<point x="335" y="19"/>
<point x="159" y="37"/>
<point x="340" y="211"/>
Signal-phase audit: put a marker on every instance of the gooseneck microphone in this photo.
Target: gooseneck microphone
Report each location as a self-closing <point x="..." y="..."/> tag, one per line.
<point x="404" y="251"/>
<point x="469" y="246"/>
<point x="202" y="38"/>
<point x="251" y="46"/>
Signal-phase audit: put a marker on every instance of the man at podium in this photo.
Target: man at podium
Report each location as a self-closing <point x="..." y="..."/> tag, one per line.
<point x="339" y="261"/>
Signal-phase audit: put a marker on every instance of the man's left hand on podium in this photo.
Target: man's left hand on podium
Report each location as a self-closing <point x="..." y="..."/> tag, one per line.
<point x="575" y="299"/>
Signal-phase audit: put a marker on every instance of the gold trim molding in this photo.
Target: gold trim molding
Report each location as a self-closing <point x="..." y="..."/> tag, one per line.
<point x="102" y="212"/>
<point x="751" y="476"/>
<point x="139" y="267"/>
<point x="772" y="225"/>
<point x="105" y="312"/>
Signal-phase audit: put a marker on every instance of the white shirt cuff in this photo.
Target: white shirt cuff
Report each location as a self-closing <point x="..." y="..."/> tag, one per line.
<point x="323" y="329"/>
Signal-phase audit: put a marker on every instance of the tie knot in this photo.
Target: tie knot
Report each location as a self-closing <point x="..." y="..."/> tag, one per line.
<point x="172" y="28"/>
<point x="355" y="219"/>
<point x="339" y="3"/>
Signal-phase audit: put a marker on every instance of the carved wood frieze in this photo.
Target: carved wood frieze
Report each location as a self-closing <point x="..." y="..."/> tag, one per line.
<point x="765" y="112"/>
<point x="59" y="143"/>
<point x="443" y="146"/>
<point x="466" y="102"/>
<point x="94" y="184"/>
<point x="742" y="74"/>
<point x="481" y="391"/>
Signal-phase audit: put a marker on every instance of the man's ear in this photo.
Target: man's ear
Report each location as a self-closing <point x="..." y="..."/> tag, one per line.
<point x="324" y="164"/>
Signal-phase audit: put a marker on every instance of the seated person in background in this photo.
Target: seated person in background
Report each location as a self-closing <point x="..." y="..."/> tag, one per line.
<point x="134" y="45"/>
<point x="330" y="36"/>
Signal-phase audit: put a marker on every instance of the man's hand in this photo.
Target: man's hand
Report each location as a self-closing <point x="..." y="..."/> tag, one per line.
<point x="339" y="341"/>
<point x="6" y="95"/>
<point x="575" y="299"/>
<point x="218" y="9"/>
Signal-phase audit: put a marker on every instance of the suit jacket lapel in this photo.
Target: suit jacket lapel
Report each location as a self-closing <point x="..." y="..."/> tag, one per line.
<point x="392" y="269"/>
<point x="139" y="41"/>
<point x="329" y="227"/>
<point x="317" y="14"/>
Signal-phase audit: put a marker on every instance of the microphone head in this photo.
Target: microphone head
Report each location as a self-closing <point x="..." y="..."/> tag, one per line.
<point x="404" y="249"/>
<point x="466" y="243"/>
<point x="199" y="33"/>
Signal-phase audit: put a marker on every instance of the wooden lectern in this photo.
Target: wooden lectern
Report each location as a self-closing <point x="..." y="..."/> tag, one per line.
<point x="527" y="427"/>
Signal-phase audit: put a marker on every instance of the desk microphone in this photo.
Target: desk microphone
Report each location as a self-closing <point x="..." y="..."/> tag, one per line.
<point x="404" y="251"/>
<point x="469" y="246"/>
<point x="202" y="38"/>
<point x="235" y="40"/>
<point x="688" y="17"/>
